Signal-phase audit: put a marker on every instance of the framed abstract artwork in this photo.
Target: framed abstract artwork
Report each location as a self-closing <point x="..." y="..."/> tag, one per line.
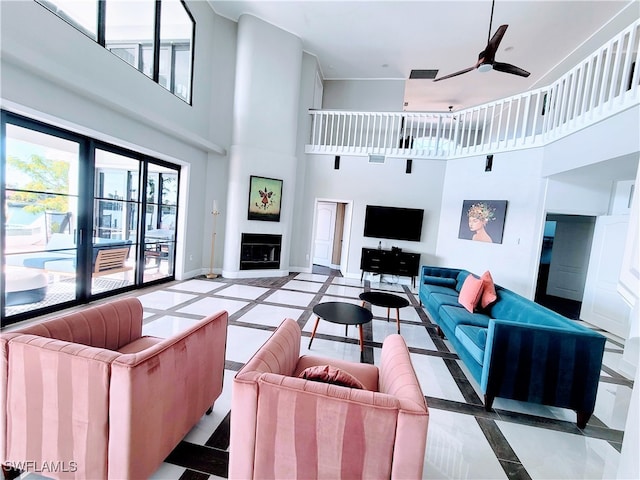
<point x="265" y="197"/>
<point x="482" y="220"/>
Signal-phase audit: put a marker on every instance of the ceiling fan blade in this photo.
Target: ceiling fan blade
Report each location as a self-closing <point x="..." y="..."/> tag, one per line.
<point x="455" y="74"/>
<point x="466" y="70"/>
<point x="494" y="43"/>
<point x="508" y="68"/>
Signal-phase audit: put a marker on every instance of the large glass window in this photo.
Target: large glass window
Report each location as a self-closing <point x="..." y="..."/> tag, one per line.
<point x="140" y="32"/>
<point x="176" y="39"/>
<point x="129" y="26"/>
<point x="81" y="219"/>
<point x="81" y="14"/>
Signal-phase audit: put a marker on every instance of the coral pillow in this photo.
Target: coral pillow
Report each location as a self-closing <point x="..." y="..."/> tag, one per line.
<point x="488" y="290"/>
<point x="329" y="374"/>
<point x="470" y="293"/>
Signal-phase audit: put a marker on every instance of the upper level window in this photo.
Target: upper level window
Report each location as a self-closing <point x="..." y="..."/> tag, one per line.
<point x="82" y="15"/>
<point x="154" y="36"/>
<point x="176" y="40"/>
<point x="128" y="27"/>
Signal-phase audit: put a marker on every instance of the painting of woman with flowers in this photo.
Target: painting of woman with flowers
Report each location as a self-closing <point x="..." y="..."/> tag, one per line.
<point x="482" y="220"/>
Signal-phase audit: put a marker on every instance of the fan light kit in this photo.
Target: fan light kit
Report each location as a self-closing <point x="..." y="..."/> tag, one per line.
<point x="487" y="57"/>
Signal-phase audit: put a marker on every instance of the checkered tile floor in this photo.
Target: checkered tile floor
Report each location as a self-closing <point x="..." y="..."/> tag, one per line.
<point x="515" y="440"/>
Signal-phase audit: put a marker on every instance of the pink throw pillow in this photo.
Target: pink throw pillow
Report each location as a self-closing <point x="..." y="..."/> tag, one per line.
<point x="489" y="294"/>
<point x="329" y="374"/>
<point x="470" y="293"/>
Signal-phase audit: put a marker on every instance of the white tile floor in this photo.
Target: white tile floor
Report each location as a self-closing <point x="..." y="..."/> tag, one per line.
<point x="457" y="449"/>
<point x="517" y="440"/>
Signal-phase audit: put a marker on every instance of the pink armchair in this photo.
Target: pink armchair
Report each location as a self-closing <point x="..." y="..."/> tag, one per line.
<point x="87" y="396"/>
<point x="283" y="426"/>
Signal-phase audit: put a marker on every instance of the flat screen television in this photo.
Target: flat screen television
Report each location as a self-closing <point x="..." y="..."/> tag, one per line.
<point x="393" y="223"/>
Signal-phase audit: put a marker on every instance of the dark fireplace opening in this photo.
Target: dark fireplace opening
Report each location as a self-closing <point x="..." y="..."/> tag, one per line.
<point x="260" y="251"/>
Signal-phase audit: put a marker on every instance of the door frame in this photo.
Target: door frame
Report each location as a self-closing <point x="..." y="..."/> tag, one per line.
<point x="574" y="275"/>
<point x="346" y="231"/>
<point x="85" y="214"/>
<point x="545" y="216"/>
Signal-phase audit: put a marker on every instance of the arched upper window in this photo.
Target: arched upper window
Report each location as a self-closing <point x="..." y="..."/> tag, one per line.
<point x="154" y="36"/>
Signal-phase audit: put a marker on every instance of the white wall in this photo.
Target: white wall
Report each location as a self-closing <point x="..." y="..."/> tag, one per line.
<point x="362" y="183"/>
<point x="364" y="95"/>
<point x="519" y="178"/>
<point x="590" y="197"/>
<point x="516" y="178"/>
<point x="265" y="123"/>
<point x="616" y="137"/>
<point x="625" y="17"/>
<point x="54" y="73"/>
<point x="222" y="85"/>
<point x="45" y="44"/>
<point x="365" y="184"/>
<point x="301" y="236"/>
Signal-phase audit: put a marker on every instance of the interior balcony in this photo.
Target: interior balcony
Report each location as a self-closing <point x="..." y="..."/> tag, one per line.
<point x="601" y="86"/>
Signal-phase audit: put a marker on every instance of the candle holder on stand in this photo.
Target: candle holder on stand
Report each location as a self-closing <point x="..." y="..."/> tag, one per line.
<point x="215" y="214"/>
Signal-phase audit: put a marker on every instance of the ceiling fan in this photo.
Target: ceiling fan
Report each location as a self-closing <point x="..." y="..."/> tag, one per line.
<point x="487" y="57"/>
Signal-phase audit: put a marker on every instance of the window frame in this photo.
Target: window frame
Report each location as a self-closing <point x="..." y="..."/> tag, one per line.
<point x="156" y="46"/>
<point x="86" y="215"/>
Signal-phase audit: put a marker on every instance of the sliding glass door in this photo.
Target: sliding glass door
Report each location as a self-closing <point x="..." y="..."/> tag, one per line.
<point x="160" y="221"/>
<point x="41" y="211"/>
<point x="116" y="210"/>
<point x="81" y="219"/>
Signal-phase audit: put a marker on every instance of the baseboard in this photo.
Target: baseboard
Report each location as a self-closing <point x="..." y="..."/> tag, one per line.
<point x="191" y="273"/>
<point x="254" y="273"/>
<point x="301" y="269"/>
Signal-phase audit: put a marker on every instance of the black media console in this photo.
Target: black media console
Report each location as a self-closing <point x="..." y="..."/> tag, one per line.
<point x="391" y="262"/>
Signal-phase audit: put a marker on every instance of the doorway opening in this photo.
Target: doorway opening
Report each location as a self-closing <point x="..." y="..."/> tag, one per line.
<point x="564" y="259"/>
<point x="331" y="234"/>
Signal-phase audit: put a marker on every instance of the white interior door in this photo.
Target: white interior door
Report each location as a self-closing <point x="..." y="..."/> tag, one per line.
<point x="325" y="231"/>
<point x="570" y="257"/>
<point x="603" y="306"/>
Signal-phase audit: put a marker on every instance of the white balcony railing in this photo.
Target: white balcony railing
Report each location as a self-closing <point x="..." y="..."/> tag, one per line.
<point x="603" y="84"/>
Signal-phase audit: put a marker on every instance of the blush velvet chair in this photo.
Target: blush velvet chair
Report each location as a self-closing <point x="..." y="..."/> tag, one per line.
<point x="87" y="396"/>
<point x="283" y="426"/>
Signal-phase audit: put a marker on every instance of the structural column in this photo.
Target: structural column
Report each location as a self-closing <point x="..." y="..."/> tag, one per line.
<point x="265" y="119"/>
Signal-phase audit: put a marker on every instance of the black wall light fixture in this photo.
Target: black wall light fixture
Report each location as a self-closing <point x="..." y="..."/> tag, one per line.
<point x="336" y="163"/>
<point x="489" y="163"/>
<point x="409" y="165"/>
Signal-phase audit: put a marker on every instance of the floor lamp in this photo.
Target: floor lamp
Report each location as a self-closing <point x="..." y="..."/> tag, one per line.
<point x="215" y="214"/>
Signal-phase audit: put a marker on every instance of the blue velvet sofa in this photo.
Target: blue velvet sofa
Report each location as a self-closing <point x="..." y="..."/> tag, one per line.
<point x="516" y="348"/>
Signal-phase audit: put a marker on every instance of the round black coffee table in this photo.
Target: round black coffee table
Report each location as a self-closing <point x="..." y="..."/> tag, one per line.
<point x="343" y="313"/>
<point x="388" y="300"/>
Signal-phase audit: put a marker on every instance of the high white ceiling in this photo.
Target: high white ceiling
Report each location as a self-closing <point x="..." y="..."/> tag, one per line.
<point x="387" y="39"/>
